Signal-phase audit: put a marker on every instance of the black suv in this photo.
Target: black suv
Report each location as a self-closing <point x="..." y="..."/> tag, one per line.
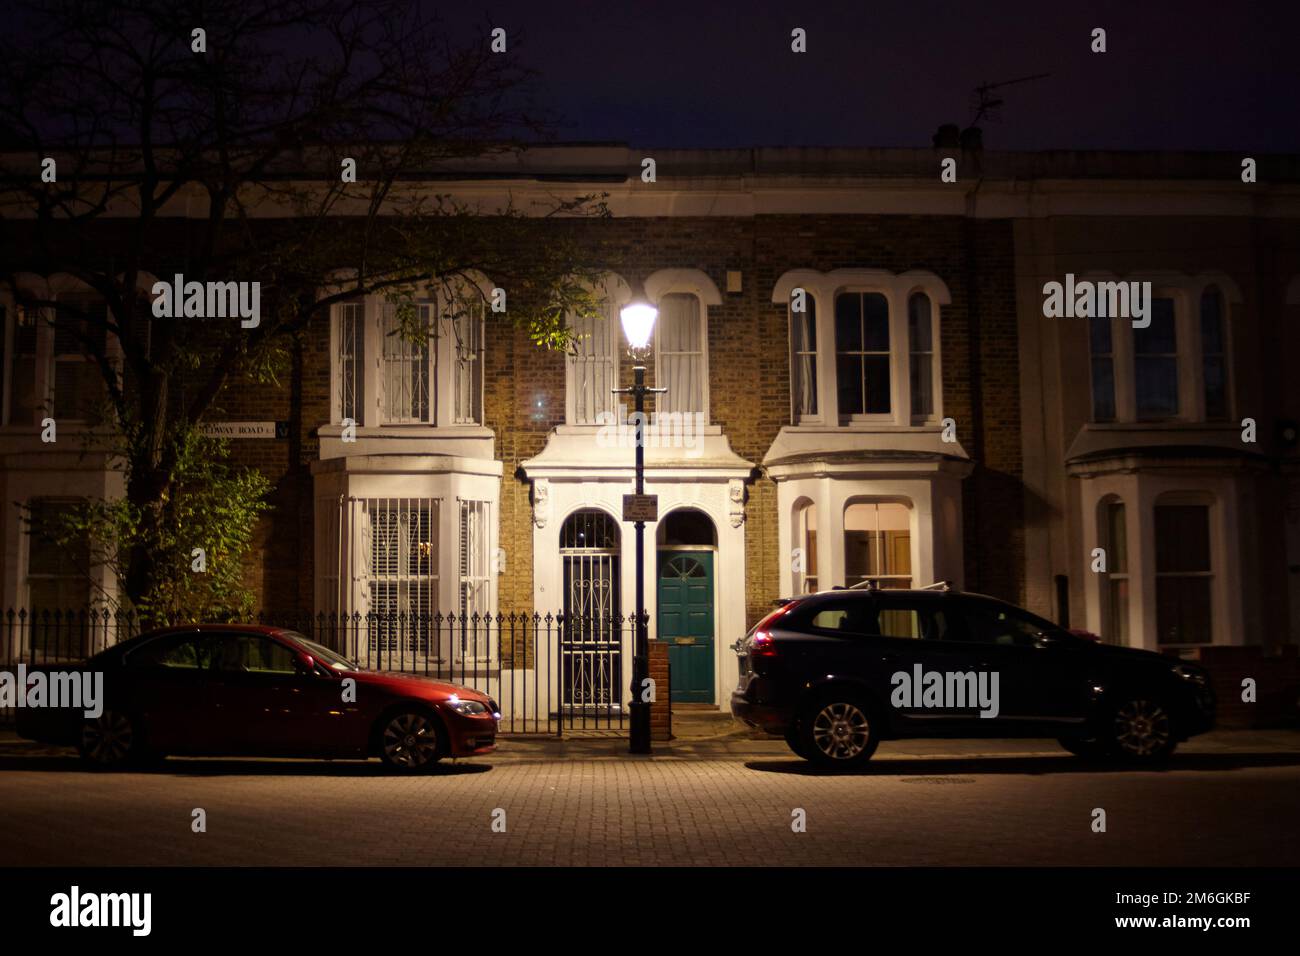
<point x="839" y="671"/>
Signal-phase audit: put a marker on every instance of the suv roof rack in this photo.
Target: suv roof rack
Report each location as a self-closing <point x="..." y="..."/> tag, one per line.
<point x="938" y="586"/>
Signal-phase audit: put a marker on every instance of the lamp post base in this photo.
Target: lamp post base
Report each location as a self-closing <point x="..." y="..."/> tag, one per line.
<point x="639" y="729"/>
<point x="638" y="737"/>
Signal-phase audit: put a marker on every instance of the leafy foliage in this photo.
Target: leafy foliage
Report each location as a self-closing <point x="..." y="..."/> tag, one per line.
<point x="209" y="505"/>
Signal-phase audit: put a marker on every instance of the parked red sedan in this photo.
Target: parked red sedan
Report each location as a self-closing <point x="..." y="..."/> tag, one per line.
<point x="261" y="691"/>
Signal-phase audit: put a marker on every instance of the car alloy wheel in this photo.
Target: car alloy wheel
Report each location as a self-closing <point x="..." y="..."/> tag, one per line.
<point x="1142" y="728"/>
<point x="107" y="740"/>
<point x="841" y="731"/>
<point x="411" y="741"/>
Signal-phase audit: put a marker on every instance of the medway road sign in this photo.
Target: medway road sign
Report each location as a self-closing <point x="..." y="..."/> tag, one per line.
<point x="245" y="429"/>
<point x="640" y="507"/>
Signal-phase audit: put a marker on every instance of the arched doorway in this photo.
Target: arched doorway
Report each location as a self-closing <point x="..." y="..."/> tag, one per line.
<point x="687" y="548"/>
<point x="590" y="655"/>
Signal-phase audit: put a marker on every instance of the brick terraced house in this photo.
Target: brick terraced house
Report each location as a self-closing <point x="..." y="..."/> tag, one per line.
<point x="861" y="385"/>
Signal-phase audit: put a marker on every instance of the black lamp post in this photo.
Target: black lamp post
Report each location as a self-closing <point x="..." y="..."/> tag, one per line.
<point x="638" y="318"/>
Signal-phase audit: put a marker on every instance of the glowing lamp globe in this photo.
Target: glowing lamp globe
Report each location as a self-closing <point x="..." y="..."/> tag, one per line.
<point x="638" y="323"/>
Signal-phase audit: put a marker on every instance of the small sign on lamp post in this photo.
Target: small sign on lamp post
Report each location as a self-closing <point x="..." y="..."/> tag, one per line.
<point x="640" y="507"/>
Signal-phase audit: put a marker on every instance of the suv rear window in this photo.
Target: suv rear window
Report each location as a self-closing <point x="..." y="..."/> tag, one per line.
<point x="884" y="616"/>
<point x="854" y="616"/>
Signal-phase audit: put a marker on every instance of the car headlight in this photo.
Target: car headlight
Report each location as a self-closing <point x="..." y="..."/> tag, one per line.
<point x="469" y="708"/>
<point x="1193" y="674"/>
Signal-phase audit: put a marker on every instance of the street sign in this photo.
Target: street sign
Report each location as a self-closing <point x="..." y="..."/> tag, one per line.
<point x="640" y="507"/>
<point x="245" y="429"/>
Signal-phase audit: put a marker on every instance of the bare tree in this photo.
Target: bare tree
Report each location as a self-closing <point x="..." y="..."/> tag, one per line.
<point x="176" y="124"/>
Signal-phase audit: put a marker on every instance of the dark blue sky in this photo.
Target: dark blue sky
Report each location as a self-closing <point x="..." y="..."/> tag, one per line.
<point x="1177" y="75"/>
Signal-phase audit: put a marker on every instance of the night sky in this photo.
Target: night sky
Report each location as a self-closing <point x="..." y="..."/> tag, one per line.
<point x="668" y="73"/>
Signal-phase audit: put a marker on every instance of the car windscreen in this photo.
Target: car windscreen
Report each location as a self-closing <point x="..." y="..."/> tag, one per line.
<point x="323" y="655"/>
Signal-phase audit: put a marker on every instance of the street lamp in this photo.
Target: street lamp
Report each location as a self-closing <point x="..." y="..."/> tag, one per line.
<point x="638" y="318"/>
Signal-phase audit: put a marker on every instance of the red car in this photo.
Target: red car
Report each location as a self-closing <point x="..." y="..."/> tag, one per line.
<point x="217" y="689"/>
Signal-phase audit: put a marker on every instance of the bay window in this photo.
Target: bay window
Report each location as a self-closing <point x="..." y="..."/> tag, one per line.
<point x="433" y="380"/>
<point x="1176" y="369"/>
<point x="864" y="347"/>
<point x="404" y="565"/>
<point x="46" y="368"/>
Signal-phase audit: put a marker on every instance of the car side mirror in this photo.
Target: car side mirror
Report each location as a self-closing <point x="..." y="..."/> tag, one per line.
<point x="305" y="665"/>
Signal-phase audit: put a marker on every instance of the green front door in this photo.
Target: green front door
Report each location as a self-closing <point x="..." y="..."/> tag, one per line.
<point x="686" y="622"/>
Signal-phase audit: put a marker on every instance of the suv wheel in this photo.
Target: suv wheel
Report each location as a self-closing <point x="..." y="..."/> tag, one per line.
<point x="837" y="730"/>
<point x="1143" y="730"/>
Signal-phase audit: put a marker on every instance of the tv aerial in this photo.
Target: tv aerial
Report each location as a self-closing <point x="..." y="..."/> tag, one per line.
<point x="985" y="101"/>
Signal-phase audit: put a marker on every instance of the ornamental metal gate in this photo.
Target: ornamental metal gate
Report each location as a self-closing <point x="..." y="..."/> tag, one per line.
<point x="591" y="642"/>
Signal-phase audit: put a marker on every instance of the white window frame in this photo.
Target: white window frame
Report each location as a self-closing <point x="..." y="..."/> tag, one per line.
<point x="824" y="288"/>
<point x="446" y="370"/>
<point x="396" y="360"/>
<point x="796" y="353"/>
<point x="665" y="402"/>
<point x="578" y="380"/>
<point x="865" y="417"/>
<point x="936" y="387"/>
<point x="45" y="359"/>
<point x="697" y="283"/>
<point x="30" y="541"/>
<point x="1186" y="295"/>
<point x="875" y="503"/>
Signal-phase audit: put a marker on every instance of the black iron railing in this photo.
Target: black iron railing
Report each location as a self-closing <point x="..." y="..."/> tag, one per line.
<point x="550" y="673"/>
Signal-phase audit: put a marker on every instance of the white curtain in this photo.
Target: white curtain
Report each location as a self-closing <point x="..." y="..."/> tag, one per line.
<point x="680" y="361"/>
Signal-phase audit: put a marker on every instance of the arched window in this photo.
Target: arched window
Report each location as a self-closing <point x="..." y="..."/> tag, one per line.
<point x="589" y="545"/>
<point x="805" y="539"/>
<point x="679" y="354"/>
<point x="593" y="368"/>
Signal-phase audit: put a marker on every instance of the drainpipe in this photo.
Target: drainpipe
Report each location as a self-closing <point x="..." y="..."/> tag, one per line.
<point x="971" y="503"/>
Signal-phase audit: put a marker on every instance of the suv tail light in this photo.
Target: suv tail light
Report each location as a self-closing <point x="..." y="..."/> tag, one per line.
<point x="761" y="643"/>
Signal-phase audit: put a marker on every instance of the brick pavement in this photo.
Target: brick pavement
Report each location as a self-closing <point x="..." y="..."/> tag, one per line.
<point x="1217" y="805"/>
